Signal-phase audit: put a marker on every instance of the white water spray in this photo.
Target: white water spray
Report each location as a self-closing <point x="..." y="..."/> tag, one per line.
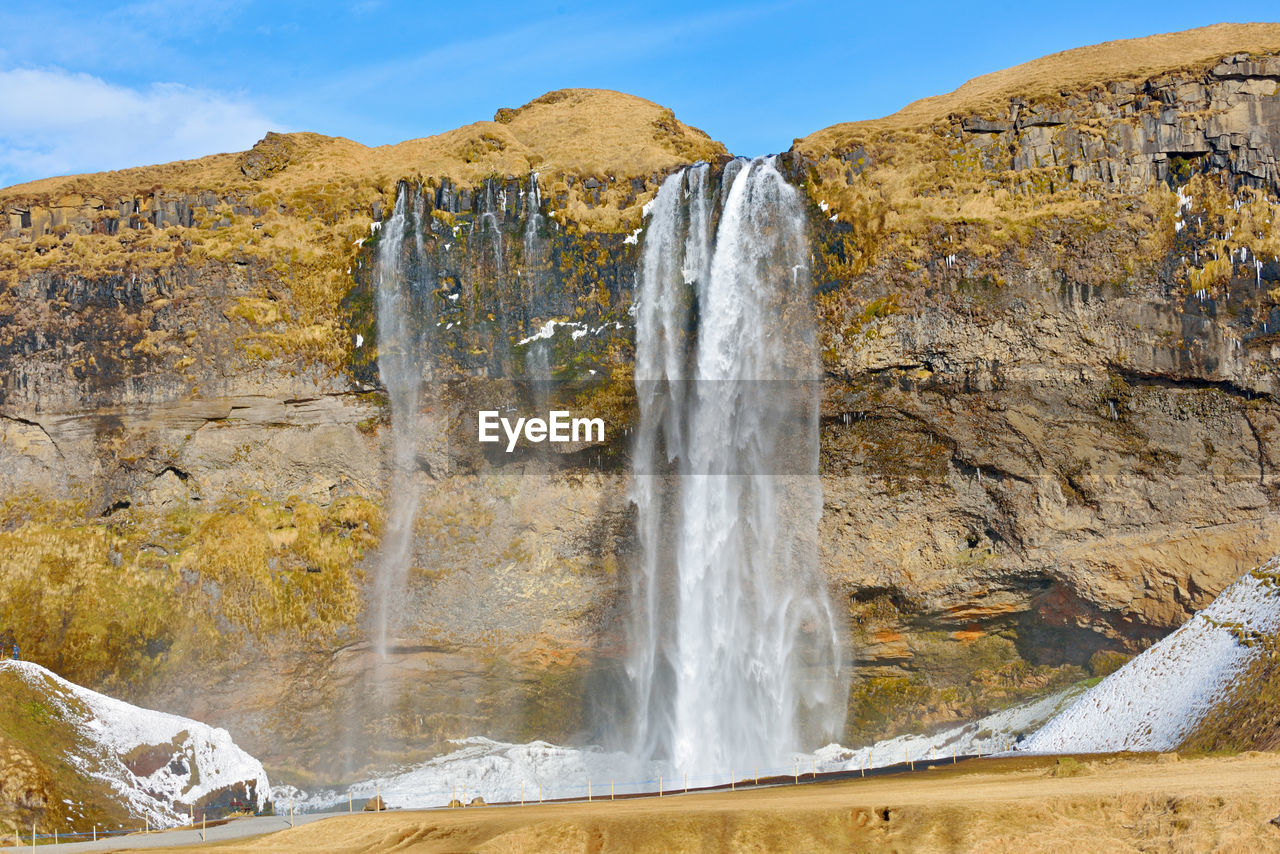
<point x="400" y="368"/>
<point x="735" y="654"/>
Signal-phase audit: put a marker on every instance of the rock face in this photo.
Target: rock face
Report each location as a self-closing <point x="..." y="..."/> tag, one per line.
<point x="1049" y="425"/>
<point x="1127" y="136"/>
<point x="1050" y="344"/>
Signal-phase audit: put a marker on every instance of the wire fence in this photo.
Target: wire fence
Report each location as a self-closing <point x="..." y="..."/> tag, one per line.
<point x="101" y="832"/>
<point x="586" y="789"/>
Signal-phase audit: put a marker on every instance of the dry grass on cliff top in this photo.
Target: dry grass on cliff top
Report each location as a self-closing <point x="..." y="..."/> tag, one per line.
<point x="315" y="195"/>
<point x="574" y="131"/>
<point x="1123" y="60"/>
<point x="921" y="181"/>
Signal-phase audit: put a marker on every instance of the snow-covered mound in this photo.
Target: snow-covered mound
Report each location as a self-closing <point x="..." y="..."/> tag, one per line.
<point x="495" y="771"/>
<point x="502" y="772"/>
<point x="156" y="763"/>
<point x="1154" y="701"/>
<point x="996" y="733"/>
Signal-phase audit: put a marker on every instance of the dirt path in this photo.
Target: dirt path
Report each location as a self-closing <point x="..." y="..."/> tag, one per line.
<point x="1016" y="805"/>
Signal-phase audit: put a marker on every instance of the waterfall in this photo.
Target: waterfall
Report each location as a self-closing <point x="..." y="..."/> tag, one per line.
<point x="533" y="220"/>
<point x="400" y="367"/>
<point x="534" y="260"/>
<point x="735" y="654"/>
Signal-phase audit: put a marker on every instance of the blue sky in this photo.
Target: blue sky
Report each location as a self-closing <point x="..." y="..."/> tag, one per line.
<point x="98" y="85"/>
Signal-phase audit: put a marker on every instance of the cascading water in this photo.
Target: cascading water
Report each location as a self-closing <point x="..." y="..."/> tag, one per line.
<point x="734" y="658"/>
<point x="735" y="655"/>
<point x="533" y="242"/>
<point x="400" y="367"/>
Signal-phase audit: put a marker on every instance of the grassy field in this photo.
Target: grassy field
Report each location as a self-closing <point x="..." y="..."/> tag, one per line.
<point x="1122" y="803"/>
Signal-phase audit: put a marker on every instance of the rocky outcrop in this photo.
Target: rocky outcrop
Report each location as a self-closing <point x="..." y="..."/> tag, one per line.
<point x="1128" y="136"/>
<point x="87" y="214"/>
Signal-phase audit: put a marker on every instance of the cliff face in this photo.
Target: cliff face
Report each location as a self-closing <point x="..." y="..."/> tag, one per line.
<point x="1049" y="428"/>
<point x="1050" y="321"/>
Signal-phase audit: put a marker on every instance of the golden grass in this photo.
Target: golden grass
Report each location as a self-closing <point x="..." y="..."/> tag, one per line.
<point x="316" y="194"/>
<point x="1071" y="70"/>
<point x="571" y="131"/>
<point x="921" y="193"/>
<point x="114" y="602"/>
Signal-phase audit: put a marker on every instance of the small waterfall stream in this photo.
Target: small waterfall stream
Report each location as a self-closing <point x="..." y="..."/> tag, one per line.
<point x="403" y="325"/>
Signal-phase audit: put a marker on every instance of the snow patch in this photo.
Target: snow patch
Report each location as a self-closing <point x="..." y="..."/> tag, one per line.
<point x="206" y="760"/>
<point x="579" y="330"/>
<point x="501" y="772"/>
<point x="1154" y="701"/>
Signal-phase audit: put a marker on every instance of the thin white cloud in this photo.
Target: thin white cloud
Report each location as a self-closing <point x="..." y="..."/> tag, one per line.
<point x="55" y="122"/>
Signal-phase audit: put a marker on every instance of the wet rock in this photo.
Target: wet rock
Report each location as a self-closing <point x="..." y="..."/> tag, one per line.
<point x="375" y="804"/>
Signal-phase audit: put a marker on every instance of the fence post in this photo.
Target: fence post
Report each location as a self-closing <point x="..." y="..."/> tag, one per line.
<point x="350" y="807"/>
<point x="659" y="785"/>
<point x="588" y="790"/>
<point x="796" y="769"/>
<point x="539" y="791"/>
<point x="522" y="793"/>
<point x="610" y="788"/>
<point x="686" y="782"/>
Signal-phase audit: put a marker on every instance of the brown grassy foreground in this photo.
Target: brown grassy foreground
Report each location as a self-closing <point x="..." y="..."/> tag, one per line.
<point x="1023" y="805"/>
